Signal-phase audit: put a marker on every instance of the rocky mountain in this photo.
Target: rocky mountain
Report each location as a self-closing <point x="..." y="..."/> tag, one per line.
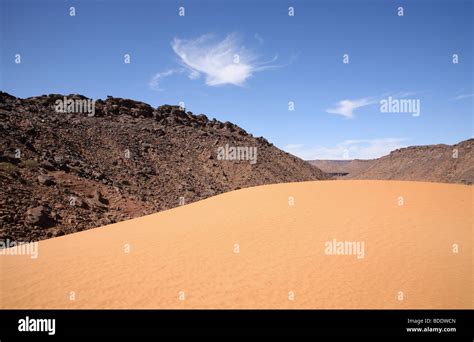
<point x="433" y="163"/>
<point x="64" y="170"/>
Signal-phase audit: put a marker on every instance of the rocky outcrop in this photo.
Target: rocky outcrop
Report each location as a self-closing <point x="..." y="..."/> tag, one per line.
<point x="126" y="160"/>
<point x="431" y="163"/>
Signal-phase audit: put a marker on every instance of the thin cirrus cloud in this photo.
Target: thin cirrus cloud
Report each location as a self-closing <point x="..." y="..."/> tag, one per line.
<point x="347" y="107"/>
<point x="463" y="96"/>
<point x="348" y="149"/>
<point x="158" y="77"/>
<point x="221" y="62"/>
<point x="155" y="81"/>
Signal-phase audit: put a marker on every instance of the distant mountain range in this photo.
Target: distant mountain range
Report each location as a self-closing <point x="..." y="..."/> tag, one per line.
<point x="433" y="163"/>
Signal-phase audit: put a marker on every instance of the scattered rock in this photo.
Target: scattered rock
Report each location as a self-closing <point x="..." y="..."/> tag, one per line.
<point x="96" y="195"/>
<point x="59" y="232"/>
<point x="46" y="180"/>
<point x="39" y="216"/>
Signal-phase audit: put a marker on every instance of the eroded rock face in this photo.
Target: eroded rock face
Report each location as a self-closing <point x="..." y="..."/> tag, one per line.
<point x="127" y="160"/>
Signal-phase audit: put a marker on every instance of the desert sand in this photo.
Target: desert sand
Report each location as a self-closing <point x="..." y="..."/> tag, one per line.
<point x="251" y="249"/>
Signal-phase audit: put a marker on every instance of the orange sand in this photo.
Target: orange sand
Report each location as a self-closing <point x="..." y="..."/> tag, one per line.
<point x="282" y="248"/>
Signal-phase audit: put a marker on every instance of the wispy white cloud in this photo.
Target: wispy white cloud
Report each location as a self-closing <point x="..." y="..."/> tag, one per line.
<point x="194" y="75"/>
<point x="222" y="62"/>
<point x="462" y="96"/>
<point x="347" y="107"/>
<point x="154" y="82"/>
<point x="348" y="149"/>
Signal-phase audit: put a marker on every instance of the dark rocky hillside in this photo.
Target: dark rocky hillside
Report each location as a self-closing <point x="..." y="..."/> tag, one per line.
<point x="65" y="172"/>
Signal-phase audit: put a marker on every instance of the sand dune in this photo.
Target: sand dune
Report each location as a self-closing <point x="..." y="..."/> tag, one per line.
<point x="187" y="257"/>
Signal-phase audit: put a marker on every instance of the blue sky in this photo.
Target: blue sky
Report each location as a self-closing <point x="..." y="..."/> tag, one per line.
<point x="280" y="59"/>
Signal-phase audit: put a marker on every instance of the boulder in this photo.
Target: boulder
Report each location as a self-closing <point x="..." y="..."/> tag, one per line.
<point x="46" y="180"/>
<point x="39" y="216"/>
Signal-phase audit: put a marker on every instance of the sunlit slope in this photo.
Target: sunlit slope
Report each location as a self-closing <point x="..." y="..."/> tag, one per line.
<point x="252" y="249"/>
